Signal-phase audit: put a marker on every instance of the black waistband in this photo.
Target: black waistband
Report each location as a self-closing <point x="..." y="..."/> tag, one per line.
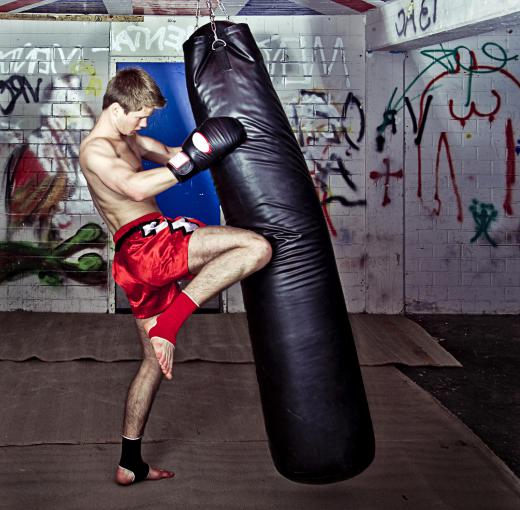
<point x="136" y="228"/>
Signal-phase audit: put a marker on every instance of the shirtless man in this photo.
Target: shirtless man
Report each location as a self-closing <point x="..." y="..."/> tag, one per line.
<point x="152" y="251"/>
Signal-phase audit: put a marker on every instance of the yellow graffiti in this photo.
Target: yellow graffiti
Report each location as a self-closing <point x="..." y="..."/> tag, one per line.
<point x="95" y="85"/>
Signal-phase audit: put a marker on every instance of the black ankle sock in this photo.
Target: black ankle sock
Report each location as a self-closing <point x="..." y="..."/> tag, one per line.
<point x="131" y="458"/>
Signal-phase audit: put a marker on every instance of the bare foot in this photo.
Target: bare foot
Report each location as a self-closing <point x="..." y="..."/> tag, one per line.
<point x="126" y="477"/>
<point x="163" y="350"/>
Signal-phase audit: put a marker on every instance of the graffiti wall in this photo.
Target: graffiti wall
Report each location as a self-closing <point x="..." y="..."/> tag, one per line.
<point x="457" y="108"/>
<point x="53" y="246"/>
<point x="414" y="157"/>
<point x="317" y="66"/>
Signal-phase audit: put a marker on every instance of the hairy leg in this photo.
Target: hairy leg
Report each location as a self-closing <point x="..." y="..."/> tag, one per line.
<point x="143" y="388"/>
<point x="139" y="402"/>
<point x="222" y="256"/>
<point x="219" y="257"/>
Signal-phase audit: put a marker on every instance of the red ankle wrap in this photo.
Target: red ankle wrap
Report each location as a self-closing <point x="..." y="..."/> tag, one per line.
<point x="170" y="321"/>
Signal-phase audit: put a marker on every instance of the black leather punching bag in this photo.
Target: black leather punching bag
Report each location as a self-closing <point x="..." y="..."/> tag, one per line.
<point x="313" y="399"/>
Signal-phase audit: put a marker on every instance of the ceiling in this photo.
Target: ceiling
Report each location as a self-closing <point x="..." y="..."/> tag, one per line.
<point x="187" y="8"/>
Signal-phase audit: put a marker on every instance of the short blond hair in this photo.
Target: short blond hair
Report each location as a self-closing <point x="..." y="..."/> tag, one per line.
<point x="134" y="89"/>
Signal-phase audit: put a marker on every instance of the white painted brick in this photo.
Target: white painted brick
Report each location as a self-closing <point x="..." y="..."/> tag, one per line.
<point x="56" y="96"/>
<point x="476" y="279"/>
<point x="94" y="306"/>
<point x="433" y="236"/>
<point x="433" y="294"/>
<point x="25" y="122"/>
<point x="66" y="110"/>
<point x="505" y="279"/>
<point x="79" y="207"/>
<point x="57" y="122"/>
<point x="11" y="137"/>
<point x="80" y="123"/>
<point x="67" y="82"/>
<point x="420" y="278"/>
<point x="512" y="294"/>
<point x="420" y="251"/>
<point x="476" y="307"/>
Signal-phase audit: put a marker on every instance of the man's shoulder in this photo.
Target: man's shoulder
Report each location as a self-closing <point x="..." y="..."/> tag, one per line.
<point x="98" y="142"/>
<point x="94" y="147"/>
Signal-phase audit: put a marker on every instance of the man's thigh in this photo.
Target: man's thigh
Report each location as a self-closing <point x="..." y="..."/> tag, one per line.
<point x="209" y="242"/>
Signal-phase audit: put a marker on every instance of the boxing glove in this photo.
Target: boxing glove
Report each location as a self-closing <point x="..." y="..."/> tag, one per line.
<point x="211" y="141"/>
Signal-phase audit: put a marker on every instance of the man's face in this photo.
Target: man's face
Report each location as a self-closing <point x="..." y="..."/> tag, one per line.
<point x="131" y="122"/>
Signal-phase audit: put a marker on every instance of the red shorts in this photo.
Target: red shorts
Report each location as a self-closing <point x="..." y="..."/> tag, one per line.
<point x="151" y="256"/>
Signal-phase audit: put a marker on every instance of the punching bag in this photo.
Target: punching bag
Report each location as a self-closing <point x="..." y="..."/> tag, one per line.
<point x="315" y="409"/>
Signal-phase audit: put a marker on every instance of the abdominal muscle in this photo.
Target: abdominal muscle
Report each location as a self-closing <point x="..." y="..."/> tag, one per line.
<point x="121" y="210"/>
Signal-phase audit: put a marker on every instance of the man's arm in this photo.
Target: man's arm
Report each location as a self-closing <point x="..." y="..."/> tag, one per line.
<point x="155" y="151"/>
<point x="101" y="159"/>
<point x="206" y="144"/>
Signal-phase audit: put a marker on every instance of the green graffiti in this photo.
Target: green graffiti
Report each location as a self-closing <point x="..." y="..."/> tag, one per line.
<point x="452" y="62"/>
<point x="18" y="259"/>
<point x="484" y="215"/>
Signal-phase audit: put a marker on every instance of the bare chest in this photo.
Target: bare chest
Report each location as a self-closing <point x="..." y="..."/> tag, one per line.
<point x="127" y="151"/>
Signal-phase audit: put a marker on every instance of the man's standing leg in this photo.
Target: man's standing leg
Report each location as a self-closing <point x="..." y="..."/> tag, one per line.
<point x="139" y="401"/>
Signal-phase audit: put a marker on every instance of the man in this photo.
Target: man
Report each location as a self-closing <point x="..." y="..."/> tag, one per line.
<point x="153" y="252"/>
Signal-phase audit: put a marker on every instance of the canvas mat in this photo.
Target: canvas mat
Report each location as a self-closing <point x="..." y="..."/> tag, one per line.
<point x="380" y="339"/>
<point x="206" y="425"/>
<point x="82" y="402"/>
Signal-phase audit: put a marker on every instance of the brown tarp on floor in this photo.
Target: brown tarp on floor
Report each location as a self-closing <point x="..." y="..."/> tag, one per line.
<point x="426" y="459"/>
<point x="380" y="339"/>
<point x="82" y="402"/>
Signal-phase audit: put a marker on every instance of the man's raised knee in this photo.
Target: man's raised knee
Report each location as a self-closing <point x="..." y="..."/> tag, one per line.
<point x="261" y="250"/>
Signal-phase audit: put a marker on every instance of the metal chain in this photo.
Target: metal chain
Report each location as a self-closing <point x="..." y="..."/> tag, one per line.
<point x="223" y="9"/>
<point x="197" y="14"/>
<point x="214" y="26"/>
<point x="212" y="18"/>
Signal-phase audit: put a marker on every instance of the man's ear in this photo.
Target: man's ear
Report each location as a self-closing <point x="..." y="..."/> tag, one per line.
<point x="116" y="109"/>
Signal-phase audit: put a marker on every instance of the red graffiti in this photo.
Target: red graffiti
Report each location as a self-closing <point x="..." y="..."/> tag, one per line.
<point x="376" y="176"/>
<point x="473" y="110"/>
<point x="32" y="191"/>
<point x="510" y="167"/>
<point x="332" y="229"/>
<point x="443" y="140"/>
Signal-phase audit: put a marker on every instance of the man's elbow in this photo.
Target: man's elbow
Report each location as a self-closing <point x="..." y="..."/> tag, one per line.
<point x="138" y="196"/>
<point x="135" y="193"/>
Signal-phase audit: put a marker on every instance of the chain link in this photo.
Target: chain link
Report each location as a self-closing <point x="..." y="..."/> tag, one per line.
<point x="223" y="9"/>
<point x="214" y="26"/>
<point x="212" y="18"/>
<point x="197" y="15"/>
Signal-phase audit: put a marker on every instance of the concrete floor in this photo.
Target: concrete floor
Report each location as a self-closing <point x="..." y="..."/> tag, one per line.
<point x="485" y="393"/>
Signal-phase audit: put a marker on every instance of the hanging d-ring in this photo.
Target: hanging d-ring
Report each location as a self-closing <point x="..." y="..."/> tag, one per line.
<point x="216" y="44"/>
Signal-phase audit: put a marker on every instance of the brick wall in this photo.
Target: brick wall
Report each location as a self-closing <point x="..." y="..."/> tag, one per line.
<point x="445" y="242"/>
<point x="316" y="64"/>
<point x="461" y="207"/>
<point x="466" y="221"/>
<point x="53" y="246"/>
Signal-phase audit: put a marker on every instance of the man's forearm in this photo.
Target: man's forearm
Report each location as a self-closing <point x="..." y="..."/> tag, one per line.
<point x="162" y="157"/>
<point x="149" y="183"/>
